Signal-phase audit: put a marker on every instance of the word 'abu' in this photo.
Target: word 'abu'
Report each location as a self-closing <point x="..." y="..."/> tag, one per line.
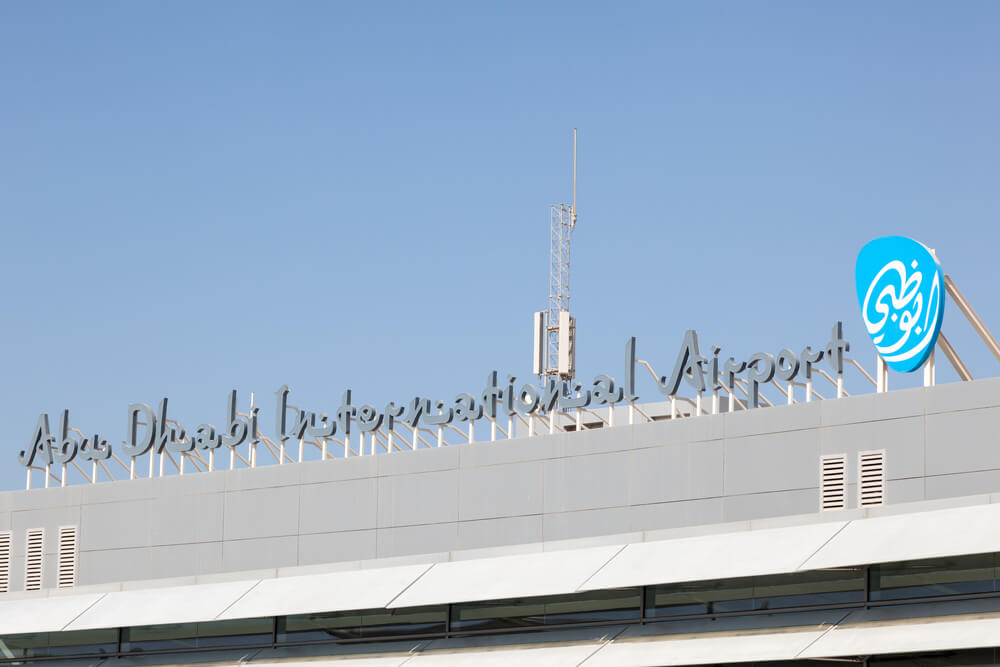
<point x="153" y="430"/>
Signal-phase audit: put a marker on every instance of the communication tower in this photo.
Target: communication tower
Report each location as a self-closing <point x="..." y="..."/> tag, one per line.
<point x="555" y="329"/>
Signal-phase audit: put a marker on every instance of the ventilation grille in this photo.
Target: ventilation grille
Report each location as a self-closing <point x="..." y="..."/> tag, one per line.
<point x="833" y="482"/>
<point x="5" y="562"/>
<point x="33" y="559"/>
<point x="67" y="557"/>
<point x="871" y="478"/>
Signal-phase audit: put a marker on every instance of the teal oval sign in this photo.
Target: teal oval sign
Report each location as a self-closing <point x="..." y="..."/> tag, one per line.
<point x="901" y="293"/>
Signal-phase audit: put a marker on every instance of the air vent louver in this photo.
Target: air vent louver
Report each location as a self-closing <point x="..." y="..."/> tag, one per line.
<point x="66" y="577"/>
<point x="33" y="559"/>
<point x="871" y="478"/>
<point x="833" y="482"/>
<point x="5" y="561"/>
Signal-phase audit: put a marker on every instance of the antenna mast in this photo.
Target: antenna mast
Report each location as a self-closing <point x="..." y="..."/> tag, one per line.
<point x="555" y="329"/>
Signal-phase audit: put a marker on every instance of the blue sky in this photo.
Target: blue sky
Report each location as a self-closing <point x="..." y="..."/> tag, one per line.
<point x="197" y="197"/>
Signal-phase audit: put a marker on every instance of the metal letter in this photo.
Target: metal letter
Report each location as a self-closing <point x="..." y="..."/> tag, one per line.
<point x="136" y="446"/>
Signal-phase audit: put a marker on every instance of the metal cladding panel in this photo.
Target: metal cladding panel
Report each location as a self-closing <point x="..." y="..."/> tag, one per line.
<point x="911" y="635"/>
<point x="335" y="591"/>
<point x="547" y="573"/>
<point x="711" y="648"/>
<point x="527" y="656"/>
<point x="153" y="606"/>
<point x="948" y="532"/>
<point x="741" y="554"/>
<point x="349" y="661"/>
<point x="43" y="614"/>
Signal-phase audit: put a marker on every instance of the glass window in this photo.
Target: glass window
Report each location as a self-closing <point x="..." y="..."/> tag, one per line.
<point x="362" y="624"/>
<point x="782" y="591"/>
<point x="44" y="644"/>
<point x="174" y="636"/>
<point x="590" y="607"/>
<point x="959" y="575"/>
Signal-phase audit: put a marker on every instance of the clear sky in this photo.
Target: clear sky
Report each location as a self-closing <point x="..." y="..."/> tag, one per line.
<point x="196" y="197"/>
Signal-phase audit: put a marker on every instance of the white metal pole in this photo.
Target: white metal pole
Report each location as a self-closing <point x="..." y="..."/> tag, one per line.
<point x="697" y="404"/>
<point x="302" y="450"/>
<point x="715" y="401"/>
<point x="929" y="370"/>
<point x="809" y="390"/>
<point x="611" y="414"/>
<point x="791" y="393"/>
<point x="62" y="475"/>
<point x="440" y="435"/>
<point x="27" y="481"/>
<point x="881" y="375"/>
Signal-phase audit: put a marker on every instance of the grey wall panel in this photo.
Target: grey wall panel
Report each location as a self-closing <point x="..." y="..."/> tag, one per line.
<point x="52" y="498"/>
<point x="261" y="513"/>
<point x="187" y="485"/>
<point x="676" y="472"/>
<point x="512" y="451"/>
<point x="345" y="545"/>
<point x="956" y="396"/>
<point x="902" y="491"/>
<point x="586" y="523"/>
<point x="116" y="525"/>
<point x="186" y="519"/>
<point x="260" y="553"/>
<point x="106" y="565"/>
<point x="773" y="462"/>
<point x="502" y="490"/>
<point x="263" y="477"/>
<point x="873" y="407"/>
<point x="586" y="482"/>
<point x="706" y="427"/>
<point x="500" y="532"/>
<point x="596" y="441"/>
<point x="355" y="467"/>
<point x="775" y="503"/>
<point x="962" y="484"/>
<point x="676" y="514"/>
<point x="349" y="505"/>
<point x="963" y="441"/>
<point x="186" y="560"/>
<point x="776" y="420"/>
<point x="427" y="497"/>
<point x="412" y="462"/>
<point x="406" y="540"/>
<point x="136" y="489"/>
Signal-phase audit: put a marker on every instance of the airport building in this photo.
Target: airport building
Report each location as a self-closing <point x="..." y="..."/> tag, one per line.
<point x="752" y="516"/>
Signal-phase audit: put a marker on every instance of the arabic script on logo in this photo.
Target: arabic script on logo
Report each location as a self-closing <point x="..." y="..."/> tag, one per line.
<point x="901" y="292"/>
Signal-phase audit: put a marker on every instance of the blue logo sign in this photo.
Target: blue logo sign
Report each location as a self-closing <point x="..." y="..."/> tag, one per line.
<point x="901" y="293"/>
